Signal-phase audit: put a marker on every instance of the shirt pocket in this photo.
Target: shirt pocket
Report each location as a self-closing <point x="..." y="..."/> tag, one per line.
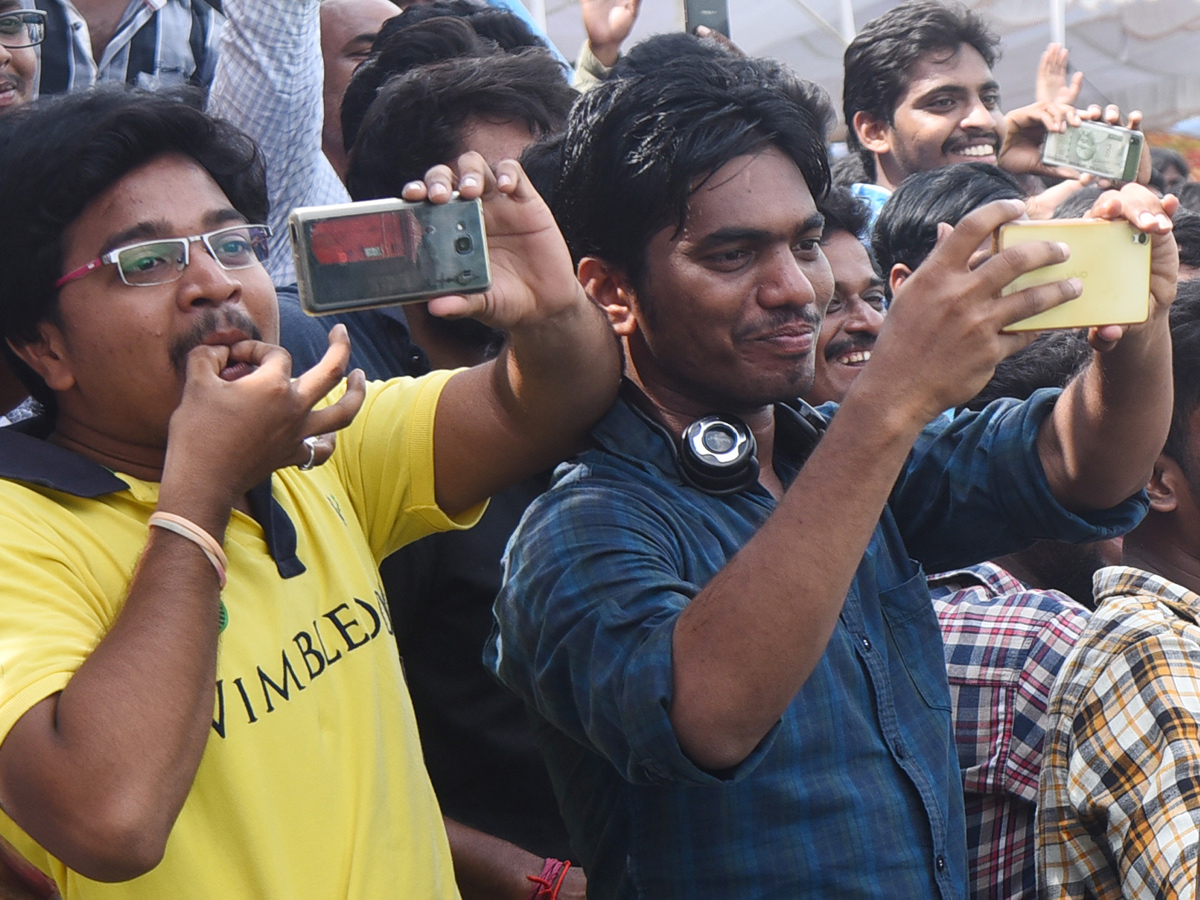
<point x="916" y="639"/>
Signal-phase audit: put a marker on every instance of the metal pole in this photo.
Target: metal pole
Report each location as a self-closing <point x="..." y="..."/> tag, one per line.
<point x="537" y="9"/>
<point x="848" y="29"/>
<point x="1058" y="21"/>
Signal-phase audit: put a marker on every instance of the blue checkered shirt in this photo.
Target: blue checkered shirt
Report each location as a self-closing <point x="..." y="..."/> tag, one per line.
<point x="856" y="791"/>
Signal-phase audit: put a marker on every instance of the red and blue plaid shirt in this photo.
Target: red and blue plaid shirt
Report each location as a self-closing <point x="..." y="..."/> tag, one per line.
<point x="1004" y="645"/>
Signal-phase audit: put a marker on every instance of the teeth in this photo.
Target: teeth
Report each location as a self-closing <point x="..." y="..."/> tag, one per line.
<point x="854" y="359"/>
<point x="980" y="150"/>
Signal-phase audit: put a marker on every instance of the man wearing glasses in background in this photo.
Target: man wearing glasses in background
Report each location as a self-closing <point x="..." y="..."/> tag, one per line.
<point x="20" y="31"/>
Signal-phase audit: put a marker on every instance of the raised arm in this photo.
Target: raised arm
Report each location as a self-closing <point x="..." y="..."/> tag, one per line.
<point x="750" y="639"/>
<point x="531" y="406"/>
<point x="98" y="773"/>
<point x="1110" y="424"/>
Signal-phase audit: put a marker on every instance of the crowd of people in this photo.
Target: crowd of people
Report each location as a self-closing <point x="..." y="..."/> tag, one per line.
<point x="730" y="545"/>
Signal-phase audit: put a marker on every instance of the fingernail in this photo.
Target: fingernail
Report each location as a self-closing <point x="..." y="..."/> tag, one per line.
<point x="1065" y="248"/>
<point x="438" y="190"/>
<point x="1076" y="286"/>
<point x="1146" y="218"/>
<point x="504" y="179"/>
<point x="411" y="186"/>
<point x="468" y="181"/>
<point x="1163" y="221"/>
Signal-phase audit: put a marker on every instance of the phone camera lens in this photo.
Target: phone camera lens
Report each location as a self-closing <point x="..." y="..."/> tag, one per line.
<point x="463" y="244"/>
<point x="1142" y="237"/>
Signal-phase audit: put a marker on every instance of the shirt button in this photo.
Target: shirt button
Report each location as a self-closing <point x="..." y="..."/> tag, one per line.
<point x="940" y="863"/>
<point x="901" y="752"/>
<point x="866" y="642"/>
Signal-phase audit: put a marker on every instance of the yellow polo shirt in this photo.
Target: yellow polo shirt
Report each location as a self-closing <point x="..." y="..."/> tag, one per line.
<point x="312" y="784"/>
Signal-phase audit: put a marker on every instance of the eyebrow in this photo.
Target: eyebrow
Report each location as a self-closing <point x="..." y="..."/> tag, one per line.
<point x="157" y="228"/>
<point x="957" y="90"/>
<point x="734" y="234"/>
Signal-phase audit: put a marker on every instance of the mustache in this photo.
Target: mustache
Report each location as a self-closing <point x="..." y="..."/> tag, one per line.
<point x="210" y="322"/>
<point x="968" y="136"/>
<point x="851" y="344"/>
<point x="778" y="319"/>
<point x="14" y="81"/>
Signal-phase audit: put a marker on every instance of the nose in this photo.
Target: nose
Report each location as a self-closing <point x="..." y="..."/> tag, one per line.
<point x="206" y="282"/>
<point x="784" y="281"/>
<point x="977" y="115"/>
<point x="863" y="318"/>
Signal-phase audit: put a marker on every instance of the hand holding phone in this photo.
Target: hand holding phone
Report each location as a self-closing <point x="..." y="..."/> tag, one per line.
<point x="1110" y="258"/>
<point x="383" y="252"/>
<point x="1109" y="151"/>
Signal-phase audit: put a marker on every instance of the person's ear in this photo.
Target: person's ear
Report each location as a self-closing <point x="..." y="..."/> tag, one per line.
<point x="897" y="277"/>
<point x="1166" y="481"/>
<point x="611" y="289"/>
<point x="874" y="134"/>
<point x="47" y="356"/>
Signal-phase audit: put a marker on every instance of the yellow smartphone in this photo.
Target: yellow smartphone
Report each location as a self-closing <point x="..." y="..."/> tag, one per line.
<point x="1112" y="259"/>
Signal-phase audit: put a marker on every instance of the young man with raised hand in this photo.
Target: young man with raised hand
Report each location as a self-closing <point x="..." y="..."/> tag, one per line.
<point x="200" y="693"/>
<point x="719" y="623"/>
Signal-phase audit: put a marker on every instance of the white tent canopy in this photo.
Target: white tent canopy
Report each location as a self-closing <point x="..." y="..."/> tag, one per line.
<point x="1139" y="54"/>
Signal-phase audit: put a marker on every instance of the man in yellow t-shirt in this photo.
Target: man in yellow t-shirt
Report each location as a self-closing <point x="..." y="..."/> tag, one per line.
<point x="195" y="699"/>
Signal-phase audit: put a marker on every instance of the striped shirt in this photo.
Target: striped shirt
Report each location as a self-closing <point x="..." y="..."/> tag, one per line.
<point x="1119" y="812"/>
<point x="157" y="44"/>
<point x="1004" y="645"/>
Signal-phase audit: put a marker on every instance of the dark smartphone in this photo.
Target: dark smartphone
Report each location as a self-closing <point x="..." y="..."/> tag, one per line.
<point x="711" y="13"/>
<point x="383" y="252"/>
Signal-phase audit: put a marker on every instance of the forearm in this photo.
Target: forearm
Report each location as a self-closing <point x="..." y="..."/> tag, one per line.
<point x="749" y="640"/>
<point x="531" y="407"/>
<point x="488" y="868"/>
<point x="1108" y="427"/>
<point x="98" y="773"/>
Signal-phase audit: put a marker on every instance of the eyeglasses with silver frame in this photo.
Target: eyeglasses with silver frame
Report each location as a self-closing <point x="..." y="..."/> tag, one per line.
<point x="163" y="260"/>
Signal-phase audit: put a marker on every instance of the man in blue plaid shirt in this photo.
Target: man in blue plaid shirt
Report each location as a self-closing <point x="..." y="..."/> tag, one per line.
<point x="736" y="669"/>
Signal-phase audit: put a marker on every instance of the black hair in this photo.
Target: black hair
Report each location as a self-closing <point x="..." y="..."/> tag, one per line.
<point x="906" y="230"/>
<point x="1077" y="205"/>
<point x="541" y="161"/>
<point x="638" y="146"/>
<point x="848" y="170"/>
<point x="417" y="119"/>
<point x="879" y="61"/>
<point x="1189" y="195"/>
<point x="1162" y="158"/>
<point x="1185" y="363"/>
<point x="1187" y="236"/>
<point x="429" y="41"/>
<point x="59" y="155"/>
<point x="508" y="30"/>
<point x="844" y="212"/>
<point x="1052" y="360"/>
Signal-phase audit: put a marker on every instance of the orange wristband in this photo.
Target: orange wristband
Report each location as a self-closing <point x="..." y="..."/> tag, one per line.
<point x="188" y="529"/>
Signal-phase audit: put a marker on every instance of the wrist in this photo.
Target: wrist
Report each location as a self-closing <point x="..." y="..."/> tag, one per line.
<point x="197" y="503"/>
<point x="606" y="54"/>
<point x="547" y="883"/>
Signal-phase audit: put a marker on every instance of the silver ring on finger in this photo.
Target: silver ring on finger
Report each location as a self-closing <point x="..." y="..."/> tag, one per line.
<point x="311" y="444"/>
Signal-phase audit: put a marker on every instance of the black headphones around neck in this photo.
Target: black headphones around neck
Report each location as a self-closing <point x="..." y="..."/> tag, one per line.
<point x="718" y="454"/>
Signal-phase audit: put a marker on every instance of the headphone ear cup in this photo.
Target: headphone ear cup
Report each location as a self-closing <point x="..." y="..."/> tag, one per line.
<point x="717" y="454"/>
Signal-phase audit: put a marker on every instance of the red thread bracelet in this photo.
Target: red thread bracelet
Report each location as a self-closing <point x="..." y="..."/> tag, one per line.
<point x="546" y="884"/>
